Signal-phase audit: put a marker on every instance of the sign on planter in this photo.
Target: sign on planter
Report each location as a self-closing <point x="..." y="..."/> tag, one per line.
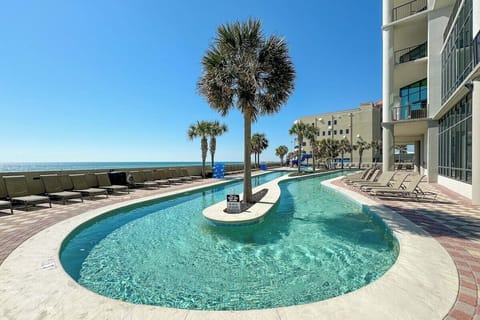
<point x="233" y="203"/>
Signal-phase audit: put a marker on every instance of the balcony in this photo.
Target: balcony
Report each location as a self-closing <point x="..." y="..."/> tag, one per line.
<point x="411" y="54"/>
<point x="414" y="111"/>
<point x="408" y="9"/>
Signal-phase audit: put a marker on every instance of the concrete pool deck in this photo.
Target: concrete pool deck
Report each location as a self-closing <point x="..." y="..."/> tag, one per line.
<point x="423" y="284"/>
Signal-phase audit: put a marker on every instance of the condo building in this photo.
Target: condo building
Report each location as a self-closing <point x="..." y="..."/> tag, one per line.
<point x="362" y="123"/>
<point x="431" y="89"/>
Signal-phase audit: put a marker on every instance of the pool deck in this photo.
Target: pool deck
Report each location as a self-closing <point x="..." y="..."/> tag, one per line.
<point x="437" y="275"/>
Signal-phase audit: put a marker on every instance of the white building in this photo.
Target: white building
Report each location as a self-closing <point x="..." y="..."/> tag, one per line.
<point x="431" y="89"/>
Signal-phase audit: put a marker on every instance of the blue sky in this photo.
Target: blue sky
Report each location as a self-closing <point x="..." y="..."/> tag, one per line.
<point x="116" y="80"/>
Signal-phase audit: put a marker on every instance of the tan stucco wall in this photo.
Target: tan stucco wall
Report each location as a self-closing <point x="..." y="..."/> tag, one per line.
<point x="365" y="122"/>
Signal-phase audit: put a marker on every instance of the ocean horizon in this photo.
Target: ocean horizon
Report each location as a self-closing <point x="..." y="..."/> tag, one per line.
<point x="59" y="166"/>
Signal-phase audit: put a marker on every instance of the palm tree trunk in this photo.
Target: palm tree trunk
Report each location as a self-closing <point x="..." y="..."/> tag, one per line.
<point x="342" y="160"/>
<point x="204" y="155"/>
<point x="213" y="147"/>
<point x="247" y="175"/>
<point x="313" y="162"/>
<point x="299" y="158"/>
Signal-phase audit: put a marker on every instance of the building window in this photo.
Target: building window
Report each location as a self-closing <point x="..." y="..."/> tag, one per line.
<point x="347" y="131"/>
<point x="304" y="144"/>
<point x="334" y="132"/>
<point x="458" y="52"/>
<point x="455" y="142"/>
<point x="335" y="122"/>
<point x="413" y="101"/>
<point x="341" y="131"/>
<point x="329" y="133"/>
<point x="329" y="123"/>
<point x="323" y="133"/>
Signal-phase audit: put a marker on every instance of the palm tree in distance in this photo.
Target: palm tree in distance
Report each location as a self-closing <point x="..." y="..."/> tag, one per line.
<point x="259" y="144"/>
<point x="255" y="147"/>
<point x="200" y="129"/>
<point x="361" y="146"/>
<point x="281" y="151"/>
<point x="344" y="147"/>
<point x="402" y="149"/>
<point x="243" y="69"/>
<point x="300" y="130"/>
<point x="216" y="129"/>
<point x="329" y="149"/>
<point x="290" y="157"/>
<point x="376" y="146"/>
<point x="310" y="134"/>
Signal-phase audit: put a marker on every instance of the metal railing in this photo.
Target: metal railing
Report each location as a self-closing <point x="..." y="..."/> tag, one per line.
<point x="410" y="54"/>
<point x="410" y="112"/>
<point x="408" y="9"/>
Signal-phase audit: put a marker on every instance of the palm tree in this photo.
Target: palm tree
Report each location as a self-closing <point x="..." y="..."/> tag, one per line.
<point x="361" y="146"/>
<point x="246" y="70"/>
<point x="200" y="129"/>
<point x="259" y="143"/>
<point x="311" y="134"/>
<point x="255" y="147"/>
<point x="376" y="146"/>
<point x="281" y="151"/>
<point x="344" y="147"/>
<point x="216" y="129"/>
<point x="328" y="149"/>
<point x="402" y="149"/>
<point x="300" y="130"/>
<point x="290" y="156"/>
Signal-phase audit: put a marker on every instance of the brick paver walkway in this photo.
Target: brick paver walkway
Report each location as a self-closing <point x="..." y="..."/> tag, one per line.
<point x="455" y="224"/>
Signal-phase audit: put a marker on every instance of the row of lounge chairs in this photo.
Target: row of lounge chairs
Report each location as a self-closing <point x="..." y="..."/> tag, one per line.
<point x="159" y="178"/>
<point x="389" y="184"/>
<point x="15" y="190"/>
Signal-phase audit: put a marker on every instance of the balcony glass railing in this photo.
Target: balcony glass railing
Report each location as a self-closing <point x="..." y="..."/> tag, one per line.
<point x="408" y="9"/>
<point x="410" y="112"/>
<point x="411" y="54"/>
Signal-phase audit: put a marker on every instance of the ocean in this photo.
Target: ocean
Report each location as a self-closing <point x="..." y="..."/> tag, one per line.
<point x="58" y="166"/>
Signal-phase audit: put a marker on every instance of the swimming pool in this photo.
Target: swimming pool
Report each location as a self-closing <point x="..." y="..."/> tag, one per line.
<point x="314" y="245"/>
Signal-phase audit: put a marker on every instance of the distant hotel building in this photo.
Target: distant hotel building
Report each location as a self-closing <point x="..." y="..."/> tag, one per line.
<point x="431" y="88"/>
<point x="363" y="123"/>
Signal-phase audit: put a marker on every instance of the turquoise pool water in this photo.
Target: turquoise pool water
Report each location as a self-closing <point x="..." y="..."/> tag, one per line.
<point x="314" y="245"/>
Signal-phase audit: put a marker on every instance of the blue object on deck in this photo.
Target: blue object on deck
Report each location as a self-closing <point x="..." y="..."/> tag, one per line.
<point x="263" y="166"/>
<point x="219" y="170"/>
